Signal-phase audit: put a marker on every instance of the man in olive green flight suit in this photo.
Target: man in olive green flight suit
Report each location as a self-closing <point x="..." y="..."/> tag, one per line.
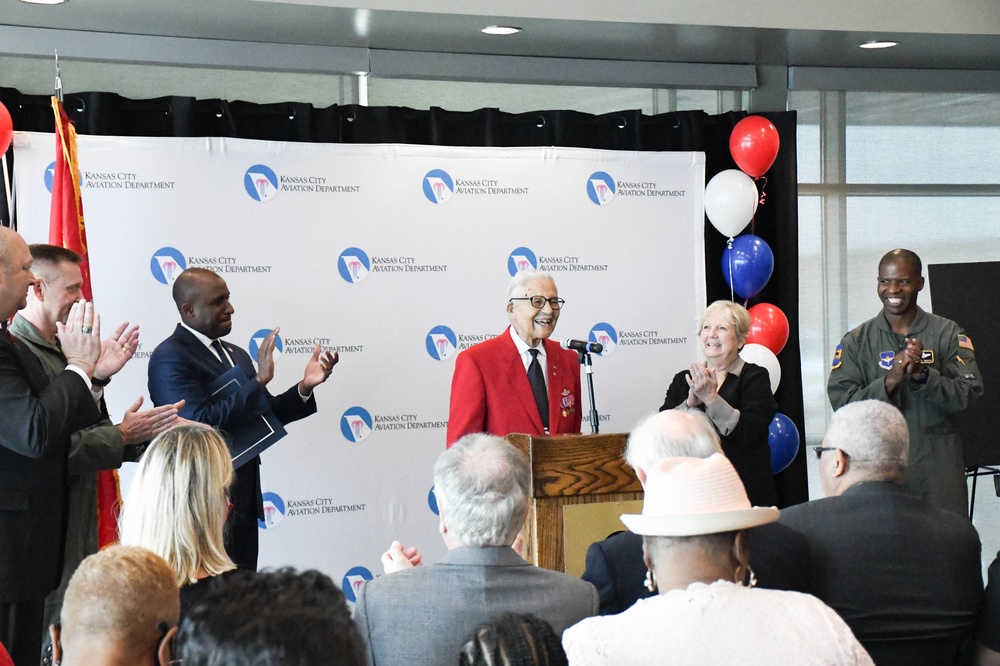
<point x="923" y="364"/>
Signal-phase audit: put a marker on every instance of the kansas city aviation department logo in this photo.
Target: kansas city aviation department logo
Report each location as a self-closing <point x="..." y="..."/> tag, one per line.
<point x="166" y="264"/>
<point x="260" y="182"/>
<point x="257" y="339"/>
<point x="356" y="424"/>
<point x="438" y="186"/>
<point x="521" y="259"/>
<point x="50" y="174"/>
<point x="601" y="188"/>
<point x="441" y="343"/>
<point x="274" y="511"/>
<point x="605" y="334"/>
<point x="353" y="580"/>
<point x="354" y="265"/>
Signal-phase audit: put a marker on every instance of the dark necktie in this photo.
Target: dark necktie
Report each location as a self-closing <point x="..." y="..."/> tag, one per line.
<point x="537" y="380"/>
<point x="217" y="346"/>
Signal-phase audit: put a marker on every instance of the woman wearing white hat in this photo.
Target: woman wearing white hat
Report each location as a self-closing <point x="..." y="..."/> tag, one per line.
<point x="692" y="521"/>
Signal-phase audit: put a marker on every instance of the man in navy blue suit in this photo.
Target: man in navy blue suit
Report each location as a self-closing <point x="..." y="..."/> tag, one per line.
<point x="185" y="366"/>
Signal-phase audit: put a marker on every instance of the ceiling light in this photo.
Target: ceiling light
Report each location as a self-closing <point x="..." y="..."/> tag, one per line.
<point x="501" y="30"/>
<point x="878" y="44"/>
<point x="44" y="2"/>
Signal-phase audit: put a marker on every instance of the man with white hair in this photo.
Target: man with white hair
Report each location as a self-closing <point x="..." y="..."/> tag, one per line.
<point x="421" y="616"/>
<point x="519" y="381"/>
<point x="903" y="574"/>
<point x="778" y="556"/>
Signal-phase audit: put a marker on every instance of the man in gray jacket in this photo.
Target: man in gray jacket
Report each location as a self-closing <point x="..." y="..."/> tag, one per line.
<point x="421" y="616"/>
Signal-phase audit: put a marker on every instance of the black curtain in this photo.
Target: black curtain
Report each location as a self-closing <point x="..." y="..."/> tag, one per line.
<point x="776" y="221"/>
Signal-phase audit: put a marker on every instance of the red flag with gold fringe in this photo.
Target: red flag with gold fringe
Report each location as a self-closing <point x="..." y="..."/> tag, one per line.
<point x="66" y="229"/>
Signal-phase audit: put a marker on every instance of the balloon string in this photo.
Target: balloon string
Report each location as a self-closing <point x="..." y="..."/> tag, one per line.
<point x="763" y="194"/>
<point x="732" y="293"/>
<point x="10" y="197"/>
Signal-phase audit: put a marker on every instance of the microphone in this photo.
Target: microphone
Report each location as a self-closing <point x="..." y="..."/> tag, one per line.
<point x="584" y="346"/>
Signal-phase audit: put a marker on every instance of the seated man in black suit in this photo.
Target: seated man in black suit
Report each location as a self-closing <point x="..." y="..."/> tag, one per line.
<point x="615" y="565"/>
<point x="903" y="574"/>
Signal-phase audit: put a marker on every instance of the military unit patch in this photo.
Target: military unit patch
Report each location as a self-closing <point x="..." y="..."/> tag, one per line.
<point x="885" y="360"/>
<point x="965" y="342"/>
<point x="837" y="356"/>
<point x="927" y="356"/>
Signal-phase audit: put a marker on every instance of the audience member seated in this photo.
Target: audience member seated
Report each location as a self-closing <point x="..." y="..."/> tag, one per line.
<point x="513" y="640"/>
<point x="420" y="616"/>
<point x="694" y="520"/>
<point x="778" y="555"/>
<point x="988" y="629"/>
<point x="273" y="618"/>
<point x="120" y="609"/>
<point x="178" y="503"/>
<point x="904" y="575"/>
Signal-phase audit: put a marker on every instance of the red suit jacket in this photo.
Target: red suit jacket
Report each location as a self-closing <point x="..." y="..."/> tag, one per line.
<point x="490" y="391"/>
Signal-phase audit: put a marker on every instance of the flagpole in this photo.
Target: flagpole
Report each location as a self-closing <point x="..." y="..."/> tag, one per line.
<point x="58" y="85"/>
<point x="10" y="195"/>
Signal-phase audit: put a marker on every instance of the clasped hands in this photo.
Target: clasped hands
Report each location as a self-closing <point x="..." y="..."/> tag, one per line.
<point x="905" y="364"/>
<point x="703" y="383"/>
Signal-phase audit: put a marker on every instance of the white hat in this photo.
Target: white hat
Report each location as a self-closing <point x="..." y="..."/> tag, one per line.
<point x="690" y="496"/>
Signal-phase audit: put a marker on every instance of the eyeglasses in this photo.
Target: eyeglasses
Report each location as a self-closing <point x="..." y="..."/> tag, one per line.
<point x="538" y="302"/>
<point x="820" y="449"/>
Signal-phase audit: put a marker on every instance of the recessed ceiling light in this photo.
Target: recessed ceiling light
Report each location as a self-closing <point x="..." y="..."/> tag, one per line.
<point x="877" y="44"/>
<point x="501" y="30"/>
<point x="44" y="2"/>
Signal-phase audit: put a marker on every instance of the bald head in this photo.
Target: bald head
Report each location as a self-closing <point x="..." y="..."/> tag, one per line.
<point x="670" y="434"/>
<point x="15" y="273"/>
<point x="202" y="299"/>
<point x="900" y="255"/>
<point x="118" y="606"/>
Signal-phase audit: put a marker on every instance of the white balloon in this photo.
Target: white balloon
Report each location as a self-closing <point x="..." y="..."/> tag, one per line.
<point x="764" y="357"/>
<point x="731" y="201"/>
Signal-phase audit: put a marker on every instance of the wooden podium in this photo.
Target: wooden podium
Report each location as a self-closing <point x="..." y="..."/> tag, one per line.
<point x="568" y="470"/>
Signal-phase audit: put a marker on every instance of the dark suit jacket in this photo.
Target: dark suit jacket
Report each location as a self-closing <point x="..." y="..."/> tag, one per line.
<point x="38" y="416"/>
<point x="490" y="391"/>
<point x="779" y="558"/>
<point x="423" y="616"/>
<point x="895" y="568"/>
<point x="182" y="368"/>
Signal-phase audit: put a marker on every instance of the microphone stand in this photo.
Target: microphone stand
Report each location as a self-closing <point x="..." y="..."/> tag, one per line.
<point x="585" y="361"/>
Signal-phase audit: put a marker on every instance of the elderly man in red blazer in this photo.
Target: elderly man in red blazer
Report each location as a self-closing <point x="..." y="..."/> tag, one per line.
<point x="520" y="381"/>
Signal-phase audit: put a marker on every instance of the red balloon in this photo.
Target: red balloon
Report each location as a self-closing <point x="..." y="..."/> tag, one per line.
<point x="754" y="145"/>
<point x="6" y="129"/>
<point x="768" y="327"/>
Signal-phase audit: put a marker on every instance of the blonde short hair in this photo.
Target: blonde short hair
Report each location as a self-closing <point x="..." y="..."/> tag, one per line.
<point x="735" y="313"/>
<point x="122" y="594"/>
<point x="177" y="503"/>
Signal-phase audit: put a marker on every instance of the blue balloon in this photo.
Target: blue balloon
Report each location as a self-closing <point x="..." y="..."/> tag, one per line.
<point x="747" y="266"/>
<point x="783" y="437"/>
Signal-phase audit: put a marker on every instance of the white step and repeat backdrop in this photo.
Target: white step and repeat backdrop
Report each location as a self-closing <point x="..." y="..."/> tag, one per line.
<point x="398" y="257"/>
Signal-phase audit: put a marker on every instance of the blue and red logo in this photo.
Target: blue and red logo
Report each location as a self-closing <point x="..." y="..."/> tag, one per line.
<point x="50" y="174"/>
<point x="601" y="188"/>
<point x="354" y="265"/>
<point x="260" y="182"/>
<point x="438" y="186"/>
<point x="352" y="582"/>
<point x="605" y="334"/>
<point x="521" y="259"/>
<point x="166" y="264"/>
<point x="432" y="502"/>
<point x="274" y="511"/>
<point x="441" y="343"/>
<point x="356" y="424"/>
